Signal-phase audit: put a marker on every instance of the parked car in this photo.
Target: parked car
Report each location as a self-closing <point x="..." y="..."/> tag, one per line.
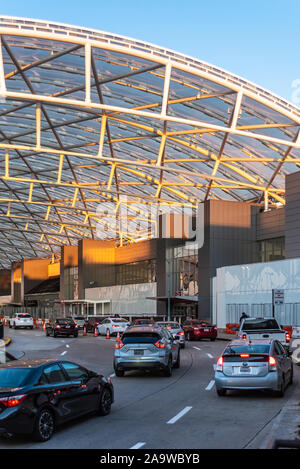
<point x="263" y="328"/>
<point x="114" y="325"/>
<point x="19" y="320"/>
<point x="197" y="329"/>
<point x="175" y="329"/>
<point x="146" y="347"/>
<point x="256" y="364"/>
<point x="93" y="321"/>
<point x="79" y="320"/>
<point x="36" y="395"/>
<point x="63" y="326"/>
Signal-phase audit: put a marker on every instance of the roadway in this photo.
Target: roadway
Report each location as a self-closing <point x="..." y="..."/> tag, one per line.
<point x="150" y="410"/>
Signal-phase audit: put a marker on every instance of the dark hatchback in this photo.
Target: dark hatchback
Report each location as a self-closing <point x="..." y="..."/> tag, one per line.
<point x="36" y="395"/>
<point x="62" y="326"/>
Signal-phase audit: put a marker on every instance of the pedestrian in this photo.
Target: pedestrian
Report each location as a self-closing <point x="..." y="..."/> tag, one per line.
<point x="243" y="316"/>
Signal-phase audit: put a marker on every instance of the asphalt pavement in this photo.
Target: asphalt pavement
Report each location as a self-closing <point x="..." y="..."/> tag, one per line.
<point x="155" y="412"/>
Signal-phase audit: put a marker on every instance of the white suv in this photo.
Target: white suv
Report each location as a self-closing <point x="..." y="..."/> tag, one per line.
<point x="21" y="320"/>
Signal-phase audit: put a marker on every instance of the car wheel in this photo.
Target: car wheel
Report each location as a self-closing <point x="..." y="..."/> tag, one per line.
<point x="105" y="402"/>
<point x="14" y="326"/>
<point x="291" y="376"/>
<point x="212" y="340"/>
<point x="47" y="333"/>
<point x="182" y="345"/>
<point x="31" y="327"/>
<point x="221" y="392"/>
<point x="54" y="334"/>
<point x="280" y="393"/>
<point x="9" y="325"/>
<point x="76" y="335"/>
<point x="44" y="426"/>
<point x="177" y="364"/>
<point x="119" y="373"/>
<point x="168" y="368"/>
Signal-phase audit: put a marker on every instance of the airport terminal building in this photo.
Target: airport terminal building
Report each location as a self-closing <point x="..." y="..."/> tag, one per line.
<point x="93" y="125"/>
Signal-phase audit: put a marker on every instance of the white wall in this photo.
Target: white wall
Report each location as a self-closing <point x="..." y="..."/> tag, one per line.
<point x="249" y="287"/>
<point x="126" y="299"/>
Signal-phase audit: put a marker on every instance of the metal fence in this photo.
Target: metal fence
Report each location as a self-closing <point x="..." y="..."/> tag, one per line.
<point x="287" y="314"/>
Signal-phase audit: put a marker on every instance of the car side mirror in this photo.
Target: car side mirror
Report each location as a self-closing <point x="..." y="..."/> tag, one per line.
<point x="290" y="353"/>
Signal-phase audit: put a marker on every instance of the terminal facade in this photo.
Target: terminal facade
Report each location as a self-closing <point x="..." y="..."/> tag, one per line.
<point x="98" y="277"/>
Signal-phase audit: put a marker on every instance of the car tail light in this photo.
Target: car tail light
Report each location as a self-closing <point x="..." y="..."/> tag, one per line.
<point x="287" y="337"/>
<point x="13" y="400"/>
<point x="244" y="337"/>
<point x="244" y="355"/>
<point x="220" y="364"/>
<point x="159" y="344"/>
<point x="115" y="326"/>
<point x="196" y="328"/>
<point x="272" y="364"/>
<point x="57" y="327"/>
<point x="180" y="333"/>
<point x="119" y="344"/>
<point x="76" y="327"/>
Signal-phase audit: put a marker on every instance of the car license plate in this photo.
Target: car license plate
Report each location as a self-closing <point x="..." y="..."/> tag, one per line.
<point x="139" y="352"/>
<point x="245" y="369"/>
<point x="206" y="330"/>
<point x="67" y="327"/>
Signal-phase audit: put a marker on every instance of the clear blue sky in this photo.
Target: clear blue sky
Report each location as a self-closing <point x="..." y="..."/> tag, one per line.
<point x="257" y="40"/>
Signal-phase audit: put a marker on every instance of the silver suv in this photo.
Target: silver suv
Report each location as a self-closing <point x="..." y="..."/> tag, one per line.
<point x="147" y="348"/>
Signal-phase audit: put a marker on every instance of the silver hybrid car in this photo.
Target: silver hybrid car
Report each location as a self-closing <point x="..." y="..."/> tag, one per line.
<point x="254" y="364"/>
<point x="147" y="347"/>
<point x="175" y="329"/>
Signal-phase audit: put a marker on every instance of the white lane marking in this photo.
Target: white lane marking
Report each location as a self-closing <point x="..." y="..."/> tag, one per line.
<point x="64" y="352"/>
<point x="209" y="355"/>
<point x="197" y="348"/>
<point x="68" y="346"/>
<point x="179" y="415"/>
<point x="112" y="376"/>
<point x="210" y="386"/>
<point x="138" y="445"/>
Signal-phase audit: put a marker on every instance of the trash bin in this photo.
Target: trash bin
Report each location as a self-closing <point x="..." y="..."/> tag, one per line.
<point x="1" y="330"/>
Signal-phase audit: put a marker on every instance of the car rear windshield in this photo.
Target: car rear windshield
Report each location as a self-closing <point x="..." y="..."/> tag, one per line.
<point x="140" y="338"/>
<point x="172" y="325"/>
<point x="247" y="349"/>
<point x="65" y="321"/>
<point x="24" y="316"/>
<point x="13" y="377"/>
<point x="119" y="320"/>
<point x="260" y="325"/>
<point x="201" y="324"/>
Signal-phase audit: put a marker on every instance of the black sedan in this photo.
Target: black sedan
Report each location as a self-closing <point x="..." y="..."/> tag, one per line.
<point x="63" y="327"/>
<point x="38" y="394"/>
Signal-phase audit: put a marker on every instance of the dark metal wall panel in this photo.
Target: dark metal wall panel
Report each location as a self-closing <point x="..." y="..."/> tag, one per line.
<point x="229" y="240"/>
<point x="5" y="282"/>
<point x="292" y="218"/>
<point x="270" y="224"/>
<point x="69" y="258"/>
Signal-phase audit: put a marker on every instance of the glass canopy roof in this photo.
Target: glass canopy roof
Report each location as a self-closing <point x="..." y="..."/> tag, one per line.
<point x="89" y="118"/>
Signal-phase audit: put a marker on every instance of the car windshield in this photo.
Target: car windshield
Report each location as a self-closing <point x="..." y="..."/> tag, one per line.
<point x="13" y="377"/>
<point x="24" y="316"/>
<point x="247" y="349"/>
<point x="140" y="338"/>
<point x="119" y="320"/>
<point x="260" y="325"/>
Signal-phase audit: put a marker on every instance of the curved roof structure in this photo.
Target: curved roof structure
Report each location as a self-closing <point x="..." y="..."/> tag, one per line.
<point x="89" y="118"/>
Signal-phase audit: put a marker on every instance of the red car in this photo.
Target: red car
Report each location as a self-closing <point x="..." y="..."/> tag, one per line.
<point x="197" y="329"/>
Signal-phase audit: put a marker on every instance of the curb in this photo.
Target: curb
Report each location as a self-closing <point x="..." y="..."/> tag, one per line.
<point x="7" y="341"/>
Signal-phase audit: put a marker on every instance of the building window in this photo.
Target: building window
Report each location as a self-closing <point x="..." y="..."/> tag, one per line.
<point x="272" y="249"/>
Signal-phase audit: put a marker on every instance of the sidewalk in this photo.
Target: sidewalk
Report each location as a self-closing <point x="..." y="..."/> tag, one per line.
<point x="283" y="426"/>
